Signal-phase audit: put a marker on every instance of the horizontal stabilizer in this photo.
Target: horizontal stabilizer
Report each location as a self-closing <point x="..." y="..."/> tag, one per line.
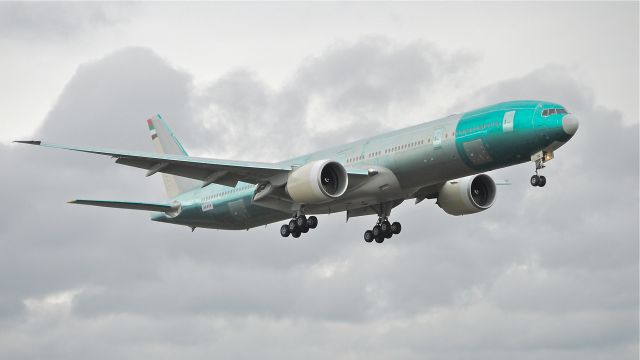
<point x="166" y="208"/>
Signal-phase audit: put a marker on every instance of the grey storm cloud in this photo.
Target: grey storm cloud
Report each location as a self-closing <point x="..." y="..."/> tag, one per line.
<point x="547" y="272"/>
<point x="362" y="79"/>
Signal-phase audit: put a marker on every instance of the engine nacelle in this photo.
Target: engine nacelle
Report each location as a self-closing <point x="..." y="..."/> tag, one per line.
<point x="317" y="182"/>
<point x="467" y="195"/>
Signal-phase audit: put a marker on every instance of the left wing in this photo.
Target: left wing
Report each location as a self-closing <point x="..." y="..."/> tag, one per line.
<point x="224" y="172"/>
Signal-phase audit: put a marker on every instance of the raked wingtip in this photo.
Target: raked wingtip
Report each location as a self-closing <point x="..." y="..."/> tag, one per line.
<point x="30" y="142"/>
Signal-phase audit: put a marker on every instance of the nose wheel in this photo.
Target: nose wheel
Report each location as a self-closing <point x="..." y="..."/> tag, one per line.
<point x="382" y="230"/>
<point x="538" y="180"/>
<point x="299" y="225"/>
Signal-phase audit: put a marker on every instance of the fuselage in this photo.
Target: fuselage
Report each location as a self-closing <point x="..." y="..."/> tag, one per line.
<point x="408" y="163"/>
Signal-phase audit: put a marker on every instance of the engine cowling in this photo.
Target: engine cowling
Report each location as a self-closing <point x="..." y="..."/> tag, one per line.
<point x="317" y="182"/>
<point x="467" y="195"/>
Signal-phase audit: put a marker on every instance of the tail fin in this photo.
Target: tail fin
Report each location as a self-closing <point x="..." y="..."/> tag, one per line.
<point x="165" y="142"/>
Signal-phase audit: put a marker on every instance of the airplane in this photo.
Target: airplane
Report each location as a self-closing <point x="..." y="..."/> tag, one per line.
<point x="445" y="159"/>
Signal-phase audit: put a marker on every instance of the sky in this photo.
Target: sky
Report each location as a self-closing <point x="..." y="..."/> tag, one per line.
<point x="545" y="273"/>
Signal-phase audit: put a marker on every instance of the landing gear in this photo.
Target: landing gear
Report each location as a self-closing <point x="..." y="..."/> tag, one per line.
<point x="396" y="228"/>
<point x="382" y="230"/>
<point x="368" y="236"/>
<point x="300" y="224"/>
<point x="538" y="180"/>
<point x="284" y="230"/>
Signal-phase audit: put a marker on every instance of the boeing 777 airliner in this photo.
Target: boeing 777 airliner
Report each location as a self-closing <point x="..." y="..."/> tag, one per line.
<point x="443" y="159"/>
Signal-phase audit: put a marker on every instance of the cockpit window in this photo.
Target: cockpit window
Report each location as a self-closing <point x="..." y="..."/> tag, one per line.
<point x="560" y="111"/>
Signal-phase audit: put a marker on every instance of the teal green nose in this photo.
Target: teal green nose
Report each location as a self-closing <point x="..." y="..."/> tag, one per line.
<point x="570" y="124"/>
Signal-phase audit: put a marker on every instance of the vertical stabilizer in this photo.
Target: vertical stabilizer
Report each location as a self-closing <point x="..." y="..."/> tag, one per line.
<point x="165" y="142"/>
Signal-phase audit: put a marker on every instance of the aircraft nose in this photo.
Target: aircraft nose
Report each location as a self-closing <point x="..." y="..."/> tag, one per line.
<point x="570" y="124"/>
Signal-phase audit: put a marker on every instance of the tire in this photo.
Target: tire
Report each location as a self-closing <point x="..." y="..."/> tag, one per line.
<point x="535" y="180"/>
<point x="304" y="229"/>
<point x="380" y="239"/>
<point x="301" y="221"/>
<point x="396" y="228"/>
<point x="293" y="226"/>
<point x="543" y="181"/>
<point x="312" y="221"/>
<point x="284" y="230"/>
<point x="385" y="226"/>
<point x="368" y="236"/>
<point x="295" y="234"/>
<point x="388" y="234"/>
<point x="377" y="231"/>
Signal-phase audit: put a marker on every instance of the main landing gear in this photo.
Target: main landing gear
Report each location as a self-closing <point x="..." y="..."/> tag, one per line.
<point x="538" y="180"/>
<point x="382" y="230"/>
<point x="299" y="225"/>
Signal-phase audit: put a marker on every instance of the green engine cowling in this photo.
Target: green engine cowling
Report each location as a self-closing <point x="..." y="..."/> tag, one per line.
<point x="317" y="182"/>
<point x="468" y="195"/>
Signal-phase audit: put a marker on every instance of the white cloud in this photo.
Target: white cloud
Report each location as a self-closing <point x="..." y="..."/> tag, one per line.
<point x="56" y="304"/>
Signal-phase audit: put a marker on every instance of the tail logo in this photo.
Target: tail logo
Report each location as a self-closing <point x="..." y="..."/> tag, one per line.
<point x="152" y="129"/>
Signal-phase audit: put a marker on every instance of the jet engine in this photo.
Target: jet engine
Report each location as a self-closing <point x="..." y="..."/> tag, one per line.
<point x="467" y="195"/>
<point x="317" y="182"/>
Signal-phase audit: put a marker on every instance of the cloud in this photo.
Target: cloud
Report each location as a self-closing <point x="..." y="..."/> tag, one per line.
<point x="547" y="272"/>
<point x="55" y="21"/>
<point x="349" y="91"/>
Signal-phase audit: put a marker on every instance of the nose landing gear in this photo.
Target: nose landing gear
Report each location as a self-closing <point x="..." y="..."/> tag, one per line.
<point x="538" y="180"/>
<point x="382" y="230"/>
<point x="299" y="225"/>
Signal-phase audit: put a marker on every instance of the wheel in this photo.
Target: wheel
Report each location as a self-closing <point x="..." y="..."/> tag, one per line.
<point x="377" y="231"/>
<point x="543" y="181"/>
<point x="304" y="229"/>
<point x="293" y="225"/>
<point x="301" y="221"/>
<point x="312" y="221"/>
<point x="385" y="226"/>
<point x="388" y="234"/>
<point x="396" y="228"/>
<point x="368" y="236"/>
<point x="535" y="180"/>
<point x="380" y="239"/>
<point x="284" y="230"/>
<point x="295" y="234"/>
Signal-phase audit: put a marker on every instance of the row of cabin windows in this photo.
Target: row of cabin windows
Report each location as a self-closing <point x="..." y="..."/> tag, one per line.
<point x="560" y="111"/>
<point x="419" y="142"/>
<point x="354" y="159"/>
<point x="478" y="128"/>
<point x="403" y="146"/>
<point x="225" y="193"/>
<point x="386" y="151"/>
